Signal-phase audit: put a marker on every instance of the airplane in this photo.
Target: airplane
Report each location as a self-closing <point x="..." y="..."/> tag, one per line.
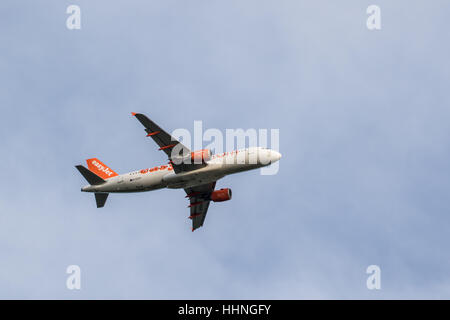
<point x="196" y="172"/>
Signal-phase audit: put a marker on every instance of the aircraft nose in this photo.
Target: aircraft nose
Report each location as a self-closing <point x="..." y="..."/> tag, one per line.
<point x="276" y="156"/>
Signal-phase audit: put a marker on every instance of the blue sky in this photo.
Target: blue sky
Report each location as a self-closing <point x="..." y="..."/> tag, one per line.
<point x="364" y="132"/>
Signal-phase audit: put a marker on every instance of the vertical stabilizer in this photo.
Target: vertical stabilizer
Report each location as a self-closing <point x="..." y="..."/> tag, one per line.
<point x="100" y="169"/>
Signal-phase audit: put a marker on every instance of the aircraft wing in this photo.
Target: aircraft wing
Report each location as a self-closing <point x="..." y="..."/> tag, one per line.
<point x="167" y="143"/>
<point x="199" y="203"/>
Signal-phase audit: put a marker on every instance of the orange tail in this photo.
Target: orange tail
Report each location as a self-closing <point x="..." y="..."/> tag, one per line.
<point x="100" y="169"/>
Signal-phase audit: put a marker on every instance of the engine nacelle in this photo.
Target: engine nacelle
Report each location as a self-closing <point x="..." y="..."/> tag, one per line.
<point x="201" y="155"/>
<point x="221" y="195"/>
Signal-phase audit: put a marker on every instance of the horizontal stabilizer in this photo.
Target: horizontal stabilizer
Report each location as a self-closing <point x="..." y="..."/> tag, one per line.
<point x="91" y="177"/>
<point x="100" y="198"/>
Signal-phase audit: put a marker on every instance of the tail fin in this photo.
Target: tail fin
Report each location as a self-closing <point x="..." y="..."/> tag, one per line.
<point x="100" y="198"/>
<point x="91" y="177"/>
<point x="100" y="169"/>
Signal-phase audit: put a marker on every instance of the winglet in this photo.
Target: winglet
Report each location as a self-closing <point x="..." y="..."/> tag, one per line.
<point x="133" y="113"/>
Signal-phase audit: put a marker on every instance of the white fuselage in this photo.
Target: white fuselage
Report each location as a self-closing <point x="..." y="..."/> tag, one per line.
<point x="164" y="176"/>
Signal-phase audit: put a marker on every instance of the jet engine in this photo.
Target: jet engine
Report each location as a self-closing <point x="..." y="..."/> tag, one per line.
<point x="221" y="195"/>
<point x="201" y="155"/>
